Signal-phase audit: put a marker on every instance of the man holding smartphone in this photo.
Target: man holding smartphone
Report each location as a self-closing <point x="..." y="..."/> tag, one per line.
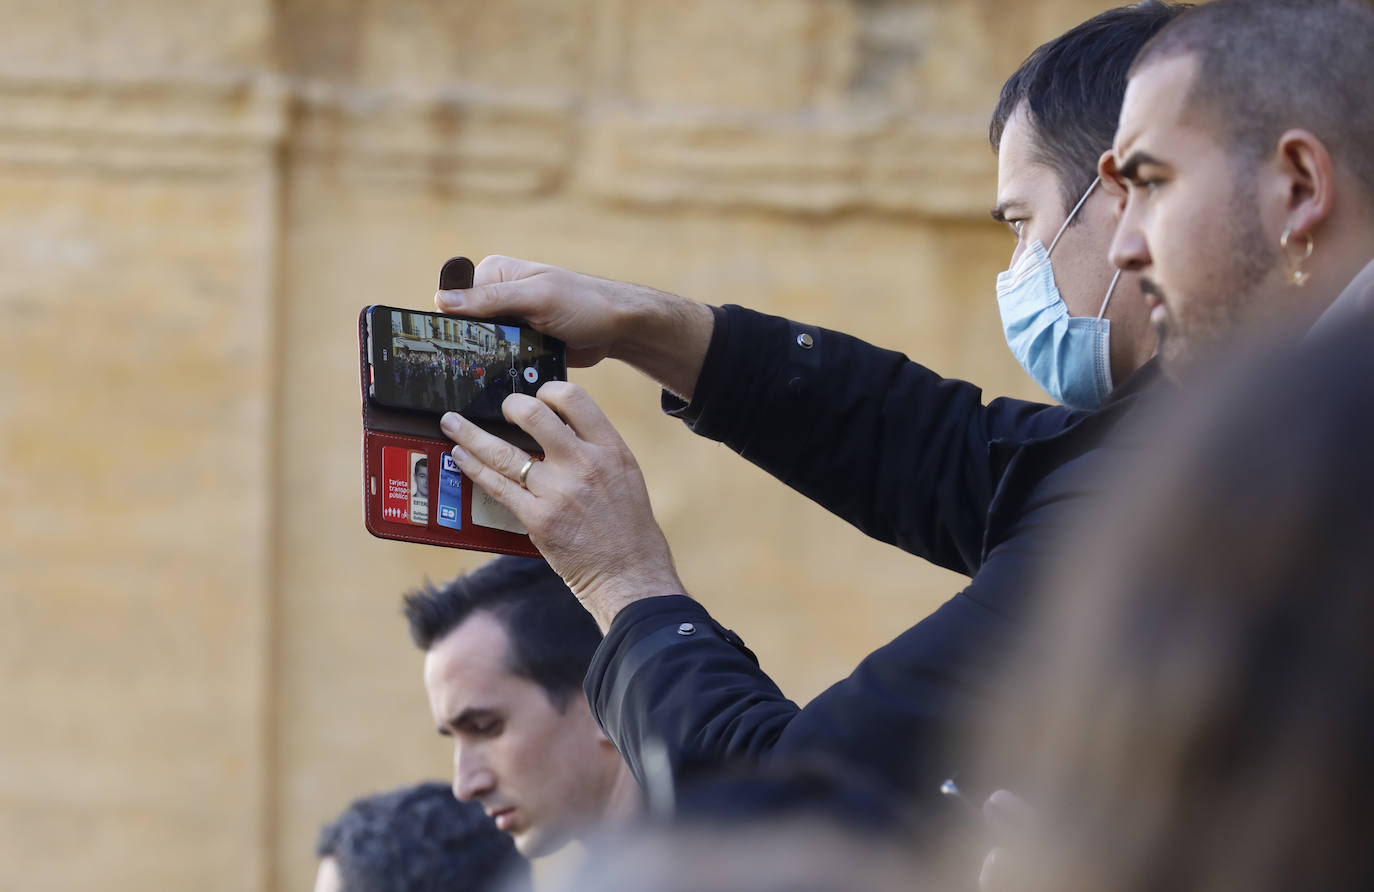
<point x="906" y="456"/>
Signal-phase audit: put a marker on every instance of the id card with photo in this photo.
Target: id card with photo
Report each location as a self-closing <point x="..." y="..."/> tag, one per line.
<point x="419" y="488"/>
<point x="399" y="502"/>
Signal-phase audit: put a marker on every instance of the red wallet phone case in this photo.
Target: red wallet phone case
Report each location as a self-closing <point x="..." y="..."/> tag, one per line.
<point x="412" y="489"/>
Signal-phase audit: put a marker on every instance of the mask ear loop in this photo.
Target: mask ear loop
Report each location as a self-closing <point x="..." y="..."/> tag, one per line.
<point x="1073" y="213"/>
<point x="1110" y="289"/>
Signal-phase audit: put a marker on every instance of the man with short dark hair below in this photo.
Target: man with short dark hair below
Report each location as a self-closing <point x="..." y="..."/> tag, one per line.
<point x="908" y="457"/>
<point x="1246" y="149"/>
<point x="417" y="839"/>
<point x="506" y="648"/>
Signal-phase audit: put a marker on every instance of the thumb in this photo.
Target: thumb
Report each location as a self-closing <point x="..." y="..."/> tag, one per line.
<point x="484" y="301"/>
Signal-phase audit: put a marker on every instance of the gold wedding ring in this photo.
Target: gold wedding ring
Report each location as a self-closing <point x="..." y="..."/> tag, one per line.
<point x="525" y="472"/>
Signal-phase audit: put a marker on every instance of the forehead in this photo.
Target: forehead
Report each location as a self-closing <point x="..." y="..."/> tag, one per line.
<point x="470" y="667"/>
<point x="1152" y="112"/>
<point x="1022" y="177"/>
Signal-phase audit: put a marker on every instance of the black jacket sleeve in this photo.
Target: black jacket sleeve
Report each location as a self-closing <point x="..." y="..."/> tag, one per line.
<point x="885" y="443"/>
<point x="668" y="677"/>
<point x="667" y="674"/>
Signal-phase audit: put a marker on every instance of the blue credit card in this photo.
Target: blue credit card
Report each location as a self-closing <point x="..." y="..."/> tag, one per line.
<point x="450" y="513"/>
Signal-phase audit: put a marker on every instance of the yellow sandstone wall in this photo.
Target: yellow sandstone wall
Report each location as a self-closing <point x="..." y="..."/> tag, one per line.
<point x="203" y="658"/>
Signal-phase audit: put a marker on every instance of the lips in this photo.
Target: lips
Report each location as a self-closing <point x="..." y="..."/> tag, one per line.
<point x="504" y="818"/>
<point x="1154" y="300"/>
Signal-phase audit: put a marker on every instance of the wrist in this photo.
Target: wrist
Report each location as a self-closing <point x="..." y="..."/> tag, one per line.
<point x="665" y="336"/>
<point x="604" y="598"/>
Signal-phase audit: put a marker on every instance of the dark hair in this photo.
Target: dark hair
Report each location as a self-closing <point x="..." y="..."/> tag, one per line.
<point x="552" y="636"/>
<point x="1073" y="86"/>
<point x="420" y="839"/>
<point x="1266" y="66"/>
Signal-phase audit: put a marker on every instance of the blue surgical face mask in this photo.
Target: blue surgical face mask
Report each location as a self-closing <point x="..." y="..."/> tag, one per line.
<point x="1069" y="356"/>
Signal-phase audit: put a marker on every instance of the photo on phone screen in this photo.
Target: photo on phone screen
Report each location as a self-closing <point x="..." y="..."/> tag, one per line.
<point x="431" y="362"/>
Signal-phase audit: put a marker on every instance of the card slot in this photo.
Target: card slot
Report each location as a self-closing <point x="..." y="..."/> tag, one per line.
<point x="470" y="536"/>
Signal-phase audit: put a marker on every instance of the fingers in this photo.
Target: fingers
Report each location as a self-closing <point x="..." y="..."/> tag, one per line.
<point x="500" y="286"/>
<point x="498" y="268"/>
<point x="541" y="422"/>
<point x="489" y="462"/>
<point x="576" y="407"/>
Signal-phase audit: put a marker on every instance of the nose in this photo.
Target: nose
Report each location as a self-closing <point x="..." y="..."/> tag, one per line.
<point x="472" y="776"/>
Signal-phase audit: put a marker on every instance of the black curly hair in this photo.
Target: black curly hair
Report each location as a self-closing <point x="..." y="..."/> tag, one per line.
<point x="421" y="839"/>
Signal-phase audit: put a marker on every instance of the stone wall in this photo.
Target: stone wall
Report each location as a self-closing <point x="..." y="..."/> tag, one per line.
<point x="202" y="647"/>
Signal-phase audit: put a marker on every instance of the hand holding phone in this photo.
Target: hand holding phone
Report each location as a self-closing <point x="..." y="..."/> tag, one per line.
<point x="663" y="335"/>
<point x="415" y="366"/>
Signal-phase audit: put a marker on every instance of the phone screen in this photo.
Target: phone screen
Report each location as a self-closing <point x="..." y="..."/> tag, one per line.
<point x="431" y="362"/>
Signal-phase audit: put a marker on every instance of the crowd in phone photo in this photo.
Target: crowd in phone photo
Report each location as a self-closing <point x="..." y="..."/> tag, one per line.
<point x="439" y="380"/>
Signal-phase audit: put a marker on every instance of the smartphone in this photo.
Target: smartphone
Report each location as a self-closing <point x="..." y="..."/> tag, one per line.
<point x="435" y="363"/>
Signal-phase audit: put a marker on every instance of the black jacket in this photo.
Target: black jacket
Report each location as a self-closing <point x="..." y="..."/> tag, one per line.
<point x="907" y="457"/>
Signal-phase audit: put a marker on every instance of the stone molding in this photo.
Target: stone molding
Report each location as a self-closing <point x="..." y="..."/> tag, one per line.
<point x="504" y="143"/>
<point x="464" y="141"/>
<point x="164" y="127"/>
<point x="820" y="163"/>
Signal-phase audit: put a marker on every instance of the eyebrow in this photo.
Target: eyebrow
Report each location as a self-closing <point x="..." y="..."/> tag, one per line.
<point x="1129" y="169"/>
<point x="999" y="213"/>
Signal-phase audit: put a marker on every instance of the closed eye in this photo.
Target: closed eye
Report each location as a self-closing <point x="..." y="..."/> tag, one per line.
<point x="475" y="723"/>
<point x="488" y="728"/>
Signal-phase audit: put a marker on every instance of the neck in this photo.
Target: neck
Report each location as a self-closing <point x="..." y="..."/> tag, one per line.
<point x="623" y="796"/>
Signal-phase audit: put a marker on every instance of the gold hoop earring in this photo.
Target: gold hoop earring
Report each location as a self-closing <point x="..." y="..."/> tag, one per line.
<point x="1298" y="275"/>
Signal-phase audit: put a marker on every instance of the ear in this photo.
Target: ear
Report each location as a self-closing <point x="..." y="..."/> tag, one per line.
<point x="602" y="740"/>
<point x="1112" y="182"/>
<point x="1310" y="180"/>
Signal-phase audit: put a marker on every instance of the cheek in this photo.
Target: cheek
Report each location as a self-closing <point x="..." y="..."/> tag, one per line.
<point x="1082" y="273"/>
<point x="1188" y="257"/>
<point x="565" y="769"/>
<point x="1183" y="231"/>
<point x="532" y="757"/>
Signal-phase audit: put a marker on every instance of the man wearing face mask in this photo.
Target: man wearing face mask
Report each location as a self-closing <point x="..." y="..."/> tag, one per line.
<point x="1068" y="355"/>
<point x="906" y="456"/>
